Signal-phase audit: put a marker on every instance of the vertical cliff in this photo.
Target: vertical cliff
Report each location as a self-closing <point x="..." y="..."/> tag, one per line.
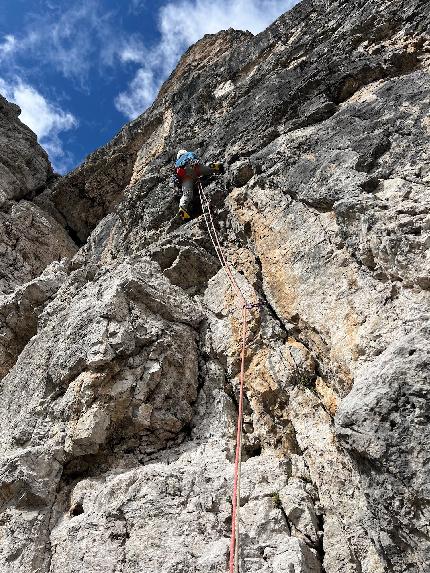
<point x="120" y="334"/>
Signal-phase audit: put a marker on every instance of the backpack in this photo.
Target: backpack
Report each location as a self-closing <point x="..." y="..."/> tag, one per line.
<point x="186" y="158"/>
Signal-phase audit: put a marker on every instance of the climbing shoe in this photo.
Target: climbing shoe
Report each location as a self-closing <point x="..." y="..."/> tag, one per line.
<point x="217" y="167"/>
<point x="183" y="214"/>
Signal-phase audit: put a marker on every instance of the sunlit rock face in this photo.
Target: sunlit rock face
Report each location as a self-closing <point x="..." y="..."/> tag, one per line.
<point x="30" y="237"/>
<point x="120" y="334"/>
<point x="32" y="240"/>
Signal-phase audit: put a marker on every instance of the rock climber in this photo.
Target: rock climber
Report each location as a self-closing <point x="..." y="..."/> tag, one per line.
<point x="188" y="168"/>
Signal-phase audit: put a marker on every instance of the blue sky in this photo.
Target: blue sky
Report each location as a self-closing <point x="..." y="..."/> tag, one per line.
<point x="80" y="69"/>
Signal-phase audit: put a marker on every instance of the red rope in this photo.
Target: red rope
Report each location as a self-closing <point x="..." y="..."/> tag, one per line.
<point x="234" y="541"/>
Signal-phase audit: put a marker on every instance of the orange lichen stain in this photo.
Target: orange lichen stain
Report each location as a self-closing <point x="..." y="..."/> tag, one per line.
<point x="327" y="395"/>
<point x="351" y="325"/>
<point x="278" y="253"/>
<point x="281" y="283"/>
<point x="242" y="258"/>
<point x="259" y="378"/>
<point x="273" y="255"/>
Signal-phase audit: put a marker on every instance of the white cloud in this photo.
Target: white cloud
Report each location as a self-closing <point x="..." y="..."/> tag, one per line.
<point x="182" y="23"/>
<point x="141" y="92"/>
<point x="45" y="118"/>
<point x="8" y="46"/>
<point x="74" y="39"/>
<point x="137" y="5"/>
<point x="207" y="17"/>
<point x="83" y="37"/>
<point x="133" y="50"/>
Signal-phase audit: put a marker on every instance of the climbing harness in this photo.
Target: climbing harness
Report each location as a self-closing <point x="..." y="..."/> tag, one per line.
<point x="234" y="541"/>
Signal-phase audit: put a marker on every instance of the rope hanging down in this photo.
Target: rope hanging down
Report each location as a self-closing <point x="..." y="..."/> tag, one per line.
<point x="234" y="542"/>
<point x="215" y="241"/>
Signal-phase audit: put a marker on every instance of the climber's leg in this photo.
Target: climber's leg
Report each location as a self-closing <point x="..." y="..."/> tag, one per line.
<point x="186" y="201"/>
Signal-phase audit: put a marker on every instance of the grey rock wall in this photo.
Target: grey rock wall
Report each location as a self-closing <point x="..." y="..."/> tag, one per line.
<point x="24" y="165"/>
<point x="30" y="237"/>
<point x="120" y="364"/>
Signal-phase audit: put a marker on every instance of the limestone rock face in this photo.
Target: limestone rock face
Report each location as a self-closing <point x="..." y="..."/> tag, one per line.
<point x="120" y="363"/>
<point x="30" y="238"/>
<point x="19" y="313"/>
<point x="24" y="165"/>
